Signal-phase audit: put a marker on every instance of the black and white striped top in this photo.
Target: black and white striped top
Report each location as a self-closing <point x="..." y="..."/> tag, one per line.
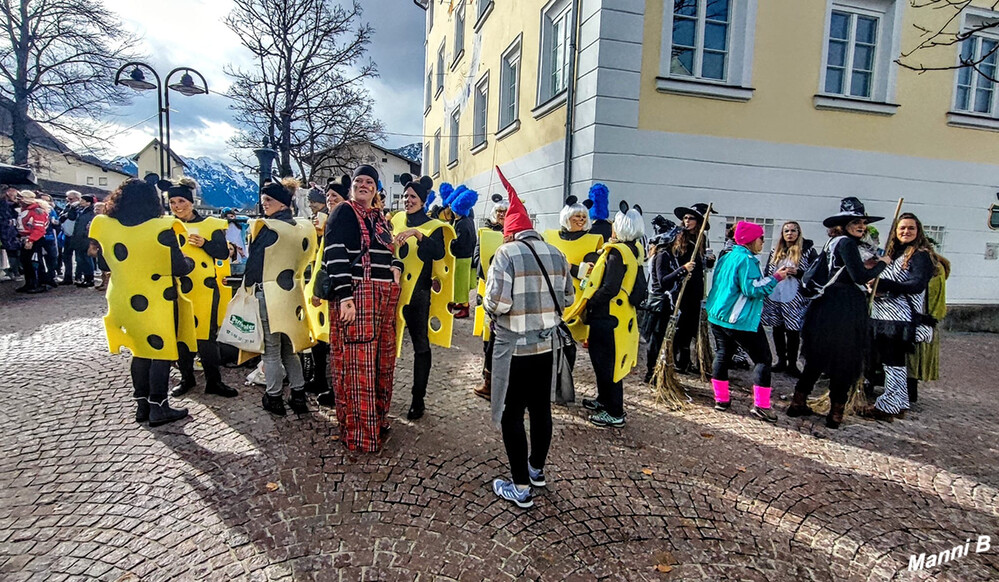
<point x="904" y="289"/>
<point x="342" y="255"/>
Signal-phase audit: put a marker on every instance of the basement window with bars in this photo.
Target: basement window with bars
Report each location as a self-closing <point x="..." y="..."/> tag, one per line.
<point x="768" y="225"/>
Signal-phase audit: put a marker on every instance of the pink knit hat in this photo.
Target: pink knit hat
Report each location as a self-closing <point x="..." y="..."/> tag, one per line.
<point x="747" y="232"/>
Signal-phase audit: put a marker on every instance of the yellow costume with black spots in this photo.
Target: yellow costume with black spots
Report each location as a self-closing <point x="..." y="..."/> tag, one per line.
<point x="285" y="262"/>
<point x="489" y="241"/>
<point x="142" y="291"/>
<point x="442" y="281"/>
<point x="319" y="319"/>
<point x="575" y="251"/>
<point x="200" y="285"/>
<point x="626" y="331"/>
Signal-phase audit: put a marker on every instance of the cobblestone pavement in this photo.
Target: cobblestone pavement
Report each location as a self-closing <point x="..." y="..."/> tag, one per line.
<point x="85" y="493"/>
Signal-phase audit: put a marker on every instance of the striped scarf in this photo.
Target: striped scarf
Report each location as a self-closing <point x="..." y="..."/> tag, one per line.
<point x="382" y="231"/>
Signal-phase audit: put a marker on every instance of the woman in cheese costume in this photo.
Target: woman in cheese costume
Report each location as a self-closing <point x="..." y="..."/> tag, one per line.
<point x="490" y="238"/>
<point x="280" y="249"/>
<point x="319" y="312"/>
<point x="615" y="286"/>
<point x="579" y="246"/>
<point x="206" y="246"/>
<point x="427" y="283"/>
<point x="146" y="313"/>
<point x="363" y="293"/>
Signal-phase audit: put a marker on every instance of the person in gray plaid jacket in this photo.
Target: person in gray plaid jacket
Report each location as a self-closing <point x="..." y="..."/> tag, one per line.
<point x="527" y="287"/>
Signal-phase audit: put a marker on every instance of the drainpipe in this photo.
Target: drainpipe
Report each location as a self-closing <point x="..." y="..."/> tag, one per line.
<point x="570" y="99"/>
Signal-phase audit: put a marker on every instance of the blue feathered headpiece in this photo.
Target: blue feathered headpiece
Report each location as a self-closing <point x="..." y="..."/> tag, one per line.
<point x="430" y="199"/>
<point x="445" y="192"/>
<point x="463" y="200"/>
<point x="600" y="195"/>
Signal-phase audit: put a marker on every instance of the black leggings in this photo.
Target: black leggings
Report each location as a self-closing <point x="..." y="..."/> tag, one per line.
<point x="529" y="389"/>
<point x="150" y="378"/>
<point x="786" y="342"/>
<point x="210" y="361"/>
<point x="753" y="342"/>
<point x="602" y="350"/>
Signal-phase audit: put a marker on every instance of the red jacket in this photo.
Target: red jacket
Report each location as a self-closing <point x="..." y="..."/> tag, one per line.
<point x="33" y="222"/>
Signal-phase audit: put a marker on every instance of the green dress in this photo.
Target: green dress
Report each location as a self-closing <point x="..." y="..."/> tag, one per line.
<point x="924" y="363"/>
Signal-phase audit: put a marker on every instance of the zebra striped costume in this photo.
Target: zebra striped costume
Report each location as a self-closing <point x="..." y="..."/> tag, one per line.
<point x="789" y="315"/>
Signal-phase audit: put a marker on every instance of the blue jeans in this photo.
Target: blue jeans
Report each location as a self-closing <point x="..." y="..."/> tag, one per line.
<point x="84" y="266"/>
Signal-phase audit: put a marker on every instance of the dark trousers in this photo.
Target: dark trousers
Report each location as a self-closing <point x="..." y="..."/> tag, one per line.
<point x="209" y="352"/>
<point x="150" y="378"/>
<point x="787" y="342"/>
<point x="84" y="266"/>
<point x="686" y="328"/>
<point x="14" y="258"/>
<point x="530" y="390"/>
<point x="67" y="262"/>
<point x="610" y="394"/>
<point x="656" y="337"/>
<point x="755" y="345"/>
<point x="417" y="316"/>
<point x="30" y="270"/>
<point x="48" y="261"/>
<point x="321" y="362"/>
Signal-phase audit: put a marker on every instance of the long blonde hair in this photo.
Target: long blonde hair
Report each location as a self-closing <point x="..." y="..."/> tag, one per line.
<point x="790" y="252"/>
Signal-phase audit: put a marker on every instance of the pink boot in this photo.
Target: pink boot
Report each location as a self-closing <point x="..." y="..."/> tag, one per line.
<point x="722" y="400"/>
<point x="761" y="404"/>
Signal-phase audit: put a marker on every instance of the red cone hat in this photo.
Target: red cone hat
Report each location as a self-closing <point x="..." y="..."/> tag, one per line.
<point x="517" y="219"/>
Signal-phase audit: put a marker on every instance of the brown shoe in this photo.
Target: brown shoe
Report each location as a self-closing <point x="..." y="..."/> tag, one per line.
<point x="799" y="405"/>
<point x="486" y="390"/>
<point x="875" y="413"/>
<point x="835" y="416"/>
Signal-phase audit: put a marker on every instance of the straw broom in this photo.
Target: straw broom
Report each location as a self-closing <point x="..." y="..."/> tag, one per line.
<point x="667" y="386"/>
<point x="857" y="400"/>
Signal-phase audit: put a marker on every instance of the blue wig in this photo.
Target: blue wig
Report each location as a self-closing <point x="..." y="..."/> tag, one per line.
<point x="444" y="192"/>
<point x="430" y="199"/>
<point x="600" y="195"/>
<point x="463" y="200"/>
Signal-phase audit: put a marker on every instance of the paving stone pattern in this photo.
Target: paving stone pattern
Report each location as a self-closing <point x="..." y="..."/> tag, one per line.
<point x="87" y="494"/>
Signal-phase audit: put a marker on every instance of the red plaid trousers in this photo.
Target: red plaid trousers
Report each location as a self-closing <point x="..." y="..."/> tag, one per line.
<point x="362" y="364"/>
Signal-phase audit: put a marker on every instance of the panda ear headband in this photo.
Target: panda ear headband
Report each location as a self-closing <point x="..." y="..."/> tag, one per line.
<point x="623" y="207"/>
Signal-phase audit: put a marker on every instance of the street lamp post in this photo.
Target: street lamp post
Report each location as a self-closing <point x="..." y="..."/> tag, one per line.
<point x="265" y="158"/>
<point x="137" y="80"/>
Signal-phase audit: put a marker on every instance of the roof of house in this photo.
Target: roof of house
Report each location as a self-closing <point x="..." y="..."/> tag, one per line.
<point x="94" y="160"/>
<point x="59" y="189"/>
<point x="156" y="141"/>
<point x="38" y="135"/>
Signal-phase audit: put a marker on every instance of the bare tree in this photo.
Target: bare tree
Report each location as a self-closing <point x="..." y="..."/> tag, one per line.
<point x="306" y="90"/>
<point x="949" y="33"/>
<point x="57" y="67"/>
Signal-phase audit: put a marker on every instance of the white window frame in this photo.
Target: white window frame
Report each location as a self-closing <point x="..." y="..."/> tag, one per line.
<point x="440" y="70"/>
<point x="938" y="233"/>
<point x="556" y="11"/>
<point x="428" y="96"/>
<point x="102" y="181"/>
<point x="90" y="180"/>
<point x="459" y="34"/>
<point x="480" y="114"/>
<point x="437" y="153"/>
<point x="881" y="101"/>
<point x="510" y="62"/>
<point x="973" y="17"/>
<point x="770" y="226"/>
<point x="454" y="126"/>
<point x="430" y="15"/>
<point x="483" y="9"/>
<point x="737" y="84"/>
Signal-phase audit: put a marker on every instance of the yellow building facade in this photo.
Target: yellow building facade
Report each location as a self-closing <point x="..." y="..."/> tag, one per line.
<point x="772" y="110"/>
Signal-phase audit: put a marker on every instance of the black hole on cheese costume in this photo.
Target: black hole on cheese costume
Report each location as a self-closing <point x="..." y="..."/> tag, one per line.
<point x="409" y="276"/>
<point x="165" y="237"/>
<point x="186" y="284"/>
<point x="139" y="303"/>
<point x="204" y="265"/>
<point x="156" y="277"/>
<point x="155" y="341"/>
<point x="322" y="318"/>
<point x="210" y="282"/>
<point x="404" y="251"/>
<point x="305" y="244"/>
<point x="170" y="293"/>
<point x="308" y="272"/>
<point x="620" y="302"/>
<point x="300" y="313"/>
<point x="120" y="252"/>
<point x="182" y="239"/>
<point x="286" y="279"/>
<point x="631" y="324"/>
<point x="435" y="285"/>
<point x="435" y="324"/>
<point x="195" y="321"/>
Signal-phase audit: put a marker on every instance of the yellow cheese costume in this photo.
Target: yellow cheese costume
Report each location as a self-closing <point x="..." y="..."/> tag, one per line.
<point x="489" y="241"/>
<point x="318" y="316"/>
<point x="142" y="290"/>
<point x="442" y="282"/>
<point x="284" y="278"/>
<point x="575" y="251"/>
<point x="200" y="284"/>
<point x="626" y="332"/>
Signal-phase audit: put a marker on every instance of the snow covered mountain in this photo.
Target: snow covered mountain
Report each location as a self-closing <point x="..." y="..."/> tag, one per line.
<point x="221" y="185"/>
<point x="413" y="151"/>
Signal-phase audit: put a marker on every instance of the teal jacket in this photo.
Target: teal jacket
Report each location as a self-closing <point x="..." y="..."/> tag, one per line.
<point x="737" y="291"/>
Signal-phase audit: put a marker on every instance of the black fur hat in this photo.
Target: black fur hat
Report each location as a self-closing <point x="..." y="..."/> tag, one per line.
<point x="421" y="187"/>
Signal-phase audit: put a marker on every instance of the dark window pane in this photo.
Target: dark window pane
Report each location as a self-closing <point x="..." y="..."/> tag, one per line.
<point x="713" y="65"/>
<point x="715" y="36"/>
<point x="962" y="98"/>
<point x="968" y="49"/>
<point x="834" y="80"/>
<point x="860" y="84"/>
<point x="983" y="100"/>
<point x="838" y="26"/>
<point x="989" y="46"/>
<point x="964" y="76"/>
<point x="685" y="7"/>
<point x="717" y="10"/>
<point x="837" y="54"/>
<point x="683" y="32"/>
<point x="867" y="29"/>
<point x="863" y="58"/>
<point x="683" y="62"/>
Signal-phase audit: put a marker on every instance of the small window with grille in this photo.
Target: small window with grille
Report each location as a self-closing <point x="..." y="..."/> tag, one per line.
<point x="937" y="234"/>
<point x="768" y="231"/>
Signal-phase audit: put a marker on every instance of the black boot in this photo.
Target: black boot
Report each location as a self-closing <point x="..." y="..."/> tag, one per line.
<point x="799" y="405"/>
<point x="780" y="346"/>
<point x="683" y="360"/>
<point x="274" y="404"/>
<point x="141" y="410"/>
<point x="181" y="389"/>
<point x="835" y="416"/>
<point x="297" y="402"/>
<point x="220" y="389"/>
<point x="793" y="343"/>
<point x="327" y="399"/>
<point x="913" y="385"/>
<point x="421" y="376"/>
<point x="416" y="409"/>
<point x="161" y="413"/>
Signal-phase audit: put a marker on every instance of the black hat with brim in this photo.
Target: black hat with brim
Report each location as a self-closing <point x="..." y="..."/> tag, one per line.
<point x="850" y="209"/>
<point x="697" y="210"/>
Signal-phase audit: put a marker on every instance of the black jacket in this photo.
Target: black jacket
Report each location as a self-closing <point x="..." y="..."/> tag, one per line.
<point x="254" y="272"/>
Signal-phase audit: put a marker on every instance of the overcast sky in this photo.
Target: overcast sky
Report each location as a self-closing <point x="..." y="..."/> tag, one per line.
<point x="192" y="33"/>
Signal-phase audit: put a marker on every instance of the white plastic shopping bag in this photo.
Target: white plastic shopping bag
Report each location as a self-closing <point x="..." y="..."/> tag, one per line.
<point x="241" y="327"/>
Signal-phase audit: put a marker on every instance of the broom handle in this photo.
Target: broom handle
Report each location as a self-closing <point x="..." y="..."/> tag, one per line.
<point x="888" y="247"/>
<point x="697" y="247"/>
